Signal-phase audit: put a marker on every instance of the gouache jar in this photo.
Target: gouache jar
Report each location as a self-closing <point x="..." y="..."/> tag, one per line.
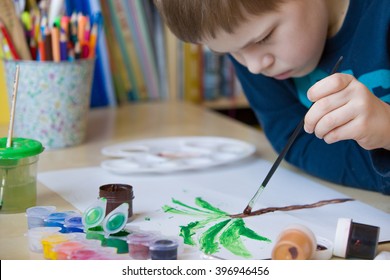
<point x="37" y="214"/>
<point x="295" y="242"/>
<point x="355" y="241"/>
<point x="49" y="242"/>
<point x="35" y="236"/>
<point x="116" y="194"/>
<point x="139" y="245"/>
<point x="57" y="219"/>
<point x="63" y="250"/>
<point x="163" y="249"/>
<point x="18" y="174"/>
<point x="73" y="223"/>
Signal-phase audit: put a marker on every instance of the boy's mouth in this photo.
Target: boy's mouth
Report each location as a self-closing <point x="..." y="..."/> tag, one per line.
<point x="283" y="76"/>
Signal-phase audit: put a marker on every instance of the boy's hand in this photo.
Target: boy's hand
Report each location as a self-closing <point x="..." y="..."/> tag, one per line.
<point x="344" y="109"/>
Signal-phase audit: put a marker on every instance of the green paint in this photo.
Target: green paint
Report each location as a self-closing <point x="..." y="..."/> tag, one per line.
<point x="226" y="233"/>
<point x="187" y="232"/>
<point x="93" y="215"/>
<point x="115" y="222"/>
<point x="204" y="204"/>
<point x="230" y="238"/>
<point x="244" y="231"/>
<point x="208" y="243"/>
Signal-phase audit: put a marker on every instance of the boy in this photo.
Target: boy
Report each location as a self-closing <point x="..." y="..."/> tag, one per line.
<point x="283" y="52"/>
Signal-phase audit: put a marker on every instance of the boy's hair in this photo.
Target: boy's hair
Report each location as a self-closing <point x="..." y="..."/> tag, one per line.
<point x="194" y="20"/>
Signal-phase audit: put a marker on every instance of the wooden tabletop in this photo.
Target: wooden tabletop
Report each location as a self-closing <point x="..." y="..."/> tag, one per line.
<point x="108" y="126"/>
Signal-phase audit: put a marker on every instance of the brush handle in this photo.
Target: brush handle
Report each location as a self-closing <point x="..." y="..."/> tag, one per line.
<point x="11" y="122"/>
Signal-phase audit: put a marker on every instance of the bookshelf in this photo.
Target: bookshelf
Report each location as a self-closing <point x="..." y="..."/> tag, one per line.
<point x="154" y="65"/>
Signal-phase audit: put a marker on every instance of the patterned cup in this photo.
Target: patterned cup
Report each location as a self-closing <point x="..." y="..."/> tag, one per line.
<point x="53" y="100"/>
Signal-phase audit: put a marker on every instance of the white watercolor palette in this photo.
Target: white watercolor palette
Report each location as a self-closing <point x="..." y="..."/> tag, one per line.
<point x="162" y="155"/>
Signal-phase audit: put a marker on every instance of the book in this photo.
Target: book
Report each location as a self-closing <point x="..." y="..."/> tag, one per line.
<point x="193" y="72"/>
<point x="172" y="65"/>
<point x="125" y="41"/>
<point x="137" y="22"/>
<point x="122" y="86"/>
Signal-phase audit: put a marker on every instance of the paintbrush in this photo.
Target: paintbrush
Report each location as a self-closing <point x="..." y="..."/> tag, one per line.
<point x="290" y="141"/>
<point x="10" y="130"/>
<point x="13" y="104"/>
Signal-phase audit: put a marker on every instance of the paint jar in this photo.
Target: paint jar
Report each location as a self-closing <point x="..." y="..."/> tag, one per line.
<point x="116" y="220"/>
<point x="295" y="242"/>
<point x="116" y="194"/>
<point x="35" y="236"/>
<point x="73" y="224"/>
<point x="94" y="214"/>
<point x="354" y="240"/>
<point x="139" y="245"/>
<point x="36" y="215"/>
<point x="57" y="219"/>
<point x="49" y="242"/>
<point x="164" y="249"/>
<point x="324" y="250"/>
<point x="18" y="174"/>
<point x="93" y="253"/>
<point x="86" y="254"/>
<point x="63" y="250"/>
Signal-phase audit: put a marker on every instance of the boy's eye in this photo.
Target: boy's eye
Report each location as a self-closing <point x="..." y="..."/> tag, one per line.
<point x="265" y="39"/>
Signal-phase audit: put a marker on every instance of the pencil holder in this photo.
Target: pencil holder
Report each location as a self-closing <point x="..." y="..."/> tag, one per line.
<point x="53" y="100"/>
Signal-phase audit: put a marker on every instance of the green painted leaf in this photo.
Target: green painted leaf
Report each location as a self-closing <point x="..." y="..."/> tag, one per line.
<point x="187" y="232"/>
<point x="170" y="209"/>
<point x="189" y="207"/>
<point x="204" y="204"/>
<point x="244" y="231"/>
<point x="230" y="239"/>
<point x="207" y="240"/>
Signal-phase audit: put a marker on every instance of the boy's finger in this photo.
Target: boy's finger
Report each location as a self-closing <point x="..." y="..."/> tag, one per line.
<point x="328" y="86"/>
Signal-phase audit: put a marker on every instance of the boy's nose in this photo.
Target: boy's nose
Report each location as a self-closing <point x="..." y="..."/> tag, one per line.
<point x="257" y="65"/>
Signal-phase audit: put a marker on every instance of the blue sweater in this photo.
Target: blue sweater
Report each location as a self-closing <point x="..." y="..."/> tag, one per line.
<point x="364" y="42"/>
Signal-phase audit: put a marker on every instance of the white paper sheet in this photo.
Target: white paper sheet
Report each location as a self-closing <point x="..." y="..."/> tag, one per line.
<point x="229" y="188"/>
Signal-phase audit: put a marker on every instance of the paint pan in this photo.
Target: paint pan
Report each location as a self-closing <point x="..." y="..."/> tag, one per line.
<point x="116" y="220"/>
<point x="57" y="219"/>
<point x="63" y="250"/>
<point x="73" y="224"/>
<point x="35" y="236"/>
<point x="355" y="240"/>
<point x="49" y="242"/>
<point x="295" y="242"/>
<point x="37" y="214"/>
<point x="139" y="245"/>
<point x="164" y="249"/>
<point x="94" y="214"/>
<point x="116" y="194"/>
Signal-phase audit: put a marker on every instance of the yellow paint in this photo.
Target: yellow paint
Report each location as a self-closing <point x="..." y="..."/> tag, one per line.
<point x="4" y="109"/>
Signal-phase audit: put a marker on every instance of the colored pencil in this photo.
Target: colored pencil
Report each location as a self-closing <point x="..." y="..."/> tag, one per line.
<point x="9" y="41"/>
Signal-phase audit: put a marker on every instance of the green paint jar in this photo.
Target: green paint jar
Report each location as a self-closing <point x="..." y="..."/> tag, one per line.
<point x="18" y="174"/>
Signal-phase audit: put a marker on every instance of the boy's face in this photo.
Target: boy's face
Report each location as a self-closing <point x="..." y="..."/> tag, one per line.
<point x="282" y="44"/>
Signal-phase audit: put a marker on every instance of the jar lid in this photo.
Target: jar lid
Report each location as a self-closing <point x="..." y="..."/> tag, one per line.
<point x="143" y="238"/>
<point x="341" y="237"/>
<point x="20" y="148"/>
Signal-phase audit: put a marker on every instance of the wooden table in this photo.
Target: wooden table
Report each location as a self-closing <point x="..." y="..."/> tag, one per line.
<point x="108" y="126"/>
